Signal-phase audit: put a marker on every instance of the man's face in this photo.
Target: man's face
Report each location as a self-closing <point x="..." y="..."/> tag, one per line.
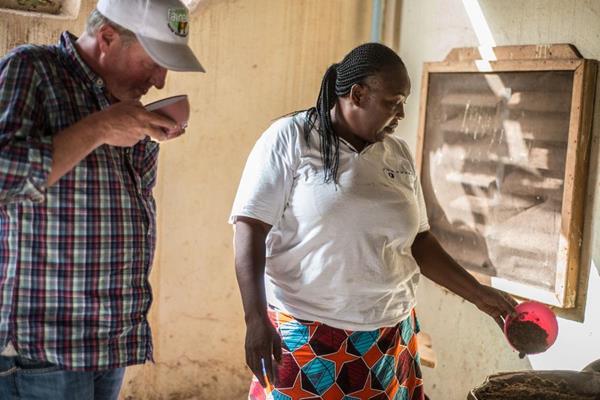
<point x="129" y="72"/>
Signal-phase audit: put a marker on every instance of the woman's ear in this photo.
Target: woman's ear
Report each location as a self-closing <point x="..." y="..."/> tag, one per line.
<point x="358" y="94"/>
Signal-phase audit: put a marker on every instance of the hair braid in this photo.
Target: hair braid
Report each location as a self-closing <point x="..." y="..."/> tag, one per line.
<point x="329" y="144"/>
<point x="363" y="61"/>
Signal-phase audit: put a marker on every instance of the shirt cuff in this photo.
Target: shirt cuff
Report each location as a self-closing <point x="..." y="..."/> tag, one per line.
<point x="40" y="161"/>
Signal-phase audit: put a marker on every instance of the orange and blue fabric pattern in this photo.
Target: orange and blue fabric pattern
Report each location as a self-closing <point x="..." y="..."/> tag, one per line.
<point x="322" y="362"/>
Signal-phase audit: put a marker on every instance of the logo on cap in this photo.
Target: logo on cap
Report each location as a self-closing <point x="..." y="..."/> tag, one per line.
<point x="178" y="21"/>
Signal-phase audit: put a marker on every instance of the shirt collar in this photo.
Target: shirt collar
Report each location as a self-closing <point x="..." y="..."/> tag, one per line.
<point x="67" y="44"/>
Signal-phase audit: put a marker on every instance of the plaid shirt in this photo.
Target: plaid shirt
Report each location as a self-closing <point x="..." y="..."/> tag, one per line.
<point x="74" y="257"/>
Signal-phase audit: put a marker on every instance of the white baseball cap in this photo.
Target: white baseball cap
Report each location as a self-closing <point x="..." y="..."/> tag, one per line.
<point x="161" y="27"/>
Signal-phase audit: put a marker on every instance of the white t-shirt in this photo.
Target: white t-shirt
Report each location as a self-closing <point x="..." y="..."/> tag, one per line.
<point x="338" y="254"/>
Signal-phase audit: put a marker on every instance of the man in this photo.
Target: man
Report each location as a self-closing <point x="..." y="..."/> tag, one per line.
<point x="77" y="215"/>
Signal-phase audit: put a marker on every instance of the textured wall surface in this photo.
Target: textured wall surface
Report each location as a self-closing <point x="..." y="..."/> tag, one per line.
<point x="468" y="344"/>
<point x="264" y="59"/>
<point x="18" y="29"/>
<point x="46" y="6"/>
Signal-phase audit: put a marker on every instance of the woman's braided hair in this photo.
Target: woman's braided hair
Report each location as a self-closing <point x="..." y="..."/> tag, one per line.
<point x="364" y="61"/>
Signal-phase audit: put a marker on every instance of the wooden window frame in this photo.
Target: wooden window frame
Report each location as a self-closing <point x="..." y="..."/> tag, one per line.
<point x="561" y="57"/>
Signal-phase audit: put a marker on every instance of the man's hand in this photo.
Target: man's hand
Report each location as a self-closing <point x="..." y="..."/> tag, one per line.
<point x="125" y="123"/>
<point x="262" y="343"/>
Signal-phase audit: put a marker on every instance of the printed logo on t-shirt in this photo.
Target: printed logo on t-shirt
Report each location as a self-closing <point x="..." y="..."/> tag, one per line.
<point x="394" y="174"/>
<point x="391" y="173"/>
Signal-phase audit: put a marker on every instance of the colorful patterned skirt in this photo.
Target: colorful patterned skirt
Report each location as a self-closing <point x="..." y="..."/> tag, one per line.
<point x="321" y="362"/>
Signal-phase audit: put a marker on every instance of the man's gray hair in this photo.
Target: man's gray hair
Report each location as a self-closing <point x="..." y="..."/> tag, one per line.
<point x="96" y="20"/>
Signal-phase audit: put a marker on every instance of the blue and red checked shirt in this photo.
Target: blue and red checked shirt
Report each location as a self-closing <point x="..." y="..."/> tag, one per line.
<point x="75" y="256"/>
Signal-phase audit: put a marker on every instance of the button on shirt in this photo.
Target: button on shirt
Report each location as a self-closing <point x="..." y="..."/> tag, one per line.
<point x="74" y="257"/>
<point x="337" y="253"/>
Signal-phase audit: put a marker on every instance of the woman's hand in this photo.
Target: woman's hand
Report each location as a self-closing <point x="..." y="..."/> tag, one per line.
<point x="437" y="265"/>
<point x="495" y="303"/>
<point x="262" y="340"/>
<point x="262" y="343"/>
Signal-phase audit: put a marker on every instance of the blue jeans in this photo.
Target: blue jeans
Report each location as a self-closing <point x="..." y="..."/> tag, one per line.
<point x="25" y="379"/>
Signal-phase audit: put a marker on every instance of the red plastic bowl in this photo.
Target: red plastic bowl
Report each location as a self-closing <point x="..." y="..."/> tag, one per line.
<point x="538" y="313"/>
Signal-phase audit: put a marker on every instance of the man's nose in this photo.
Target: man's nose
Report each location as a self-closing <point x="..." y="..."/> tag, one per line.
<point x="159" y="77"/>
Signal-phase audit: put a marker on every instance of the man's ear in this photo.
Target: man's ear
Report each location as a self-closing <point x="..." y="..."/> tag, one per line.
<point x="358" y="94"/>
<point x="106" y="37"/>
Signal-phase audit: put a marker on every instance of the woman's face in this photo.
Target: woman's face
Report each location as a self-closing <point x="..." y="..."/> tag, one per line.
<point x="380" y="103"/>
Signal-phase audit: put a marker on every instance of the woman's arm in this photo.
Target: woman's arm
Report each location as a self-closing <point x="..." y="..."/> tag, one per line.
<point x="262" y="340"/>
<point x="436" y="264"/>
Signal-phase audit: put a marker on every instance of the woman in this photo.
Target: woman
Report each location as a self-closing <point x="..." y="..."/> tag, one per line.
<point x="331" y="238"/>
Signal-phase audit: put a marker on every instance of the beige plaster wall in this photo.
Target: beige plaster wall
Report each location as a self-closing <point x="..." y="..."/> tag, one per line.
<point x="469" y="345"/>
<point x="264" y="58"/>
<point x="18" y="28"/>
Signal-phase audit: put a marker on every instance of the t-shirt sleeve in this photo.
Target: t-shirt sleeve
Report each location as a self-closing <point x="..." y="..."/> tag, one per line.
<point x="423" y="220"/>
<point x="268" y="176"/>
